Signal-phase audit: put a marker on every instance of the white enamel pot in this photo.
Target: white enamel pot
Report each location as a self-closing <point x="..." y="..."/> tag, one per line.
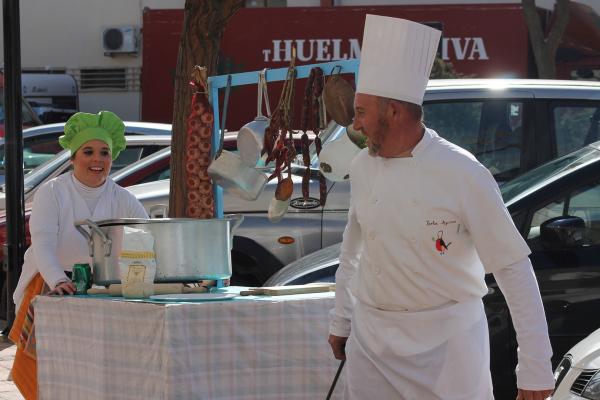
<point x="336" y="156"/>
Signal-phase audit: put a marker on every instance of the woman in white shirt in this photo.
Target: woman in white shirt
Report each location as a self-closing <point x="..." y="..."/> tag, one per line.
<point x="95" y="140"/>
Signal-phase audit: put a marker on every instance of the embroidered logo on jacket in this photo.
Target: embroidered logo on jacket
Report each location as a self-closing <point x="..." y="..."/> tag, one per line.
<point x="440" y="244"/>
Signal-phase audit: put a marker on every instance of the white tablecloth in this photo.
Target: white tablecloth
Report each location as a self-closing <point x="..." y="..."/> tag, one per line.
<point x="271" y="348"/>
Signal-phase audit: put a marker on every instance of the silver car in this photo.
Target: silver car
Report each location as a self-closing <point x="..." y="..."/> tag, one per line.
<point x="511" y="126"/>
<point x="578" y="374"/>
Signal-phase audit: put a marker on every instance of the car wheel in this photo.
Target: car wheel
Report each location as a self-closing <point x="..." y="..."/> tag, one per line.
<point x="247" y="271"/>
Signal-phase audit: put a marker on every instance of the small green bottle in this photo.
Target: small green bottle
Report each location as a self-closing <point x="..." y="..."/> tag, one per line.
<point x="82" y="278"/>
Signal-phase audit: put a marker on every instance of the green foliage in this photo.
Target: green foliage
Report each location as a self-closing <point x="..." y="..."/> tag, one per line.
<point x="443" y="70"/>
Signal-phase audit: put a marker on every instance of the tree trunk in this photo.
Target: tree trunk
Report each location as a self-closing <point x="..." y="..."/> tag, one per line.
<point x="544" y="49"/>
<point x="203" y="24"/>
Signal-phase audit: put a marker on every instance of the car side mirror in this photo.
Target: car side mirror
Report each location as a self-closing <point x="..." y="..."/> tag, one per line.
<point x="562" y="232"/>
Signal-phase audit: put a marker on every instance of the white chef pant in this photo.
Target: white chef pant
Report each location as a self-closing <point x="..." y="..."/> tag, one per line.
<point x="458" y="369"/>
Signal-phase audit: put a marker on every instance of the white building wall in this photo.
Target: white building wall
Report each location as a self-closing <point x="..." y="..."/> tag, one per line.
<point x="67" y="35"/>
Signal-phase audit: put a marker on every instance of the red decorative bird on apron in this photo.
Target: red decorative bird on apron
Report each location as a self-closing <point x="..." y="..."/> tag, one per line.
<point x="440" y="244"/>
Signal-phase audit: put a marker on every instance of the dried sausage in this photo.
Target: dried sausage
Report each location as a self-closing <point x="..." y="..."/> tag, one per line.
<point x="204" y="146"/>
<point x="192" y="182"/>
<point x="192" y="153"/>
<point x="322" y="189"/>
<point x="193" y="196"/>
<point x="306" y="184"/>
<point x="206" y="118"/>
<point x="192" y="168"/>
<point x="204" y="161"/>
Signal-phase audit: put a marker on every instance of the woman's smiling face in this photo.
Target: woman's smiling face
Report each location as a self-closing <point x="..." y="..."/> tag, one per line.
<point x="92" y="162"/>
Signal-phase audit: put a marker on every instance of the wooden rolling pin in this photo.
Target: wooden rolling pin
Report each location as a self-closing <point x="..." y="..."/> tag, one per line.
<point x="159" y="288"/>
<point x="291" y="289"/>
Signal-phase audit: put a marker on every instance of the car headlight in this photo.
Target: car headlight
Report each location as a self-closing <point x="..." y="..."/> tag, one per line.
<point x="592" y="389"/>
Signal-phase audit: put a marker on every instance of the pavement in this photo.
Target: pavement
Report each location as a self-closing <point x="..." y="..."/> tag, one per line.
<point x="8" y="390"/>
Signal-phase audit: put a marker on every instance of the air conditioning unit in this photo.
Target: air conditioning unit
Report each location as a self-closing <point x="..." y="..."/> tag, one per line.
<point x="120" y="39"/>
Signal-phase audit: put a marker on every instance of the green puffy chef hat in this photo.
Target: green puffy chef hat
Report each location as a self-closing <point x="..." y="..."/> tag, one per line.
<point x="83" y="127"/>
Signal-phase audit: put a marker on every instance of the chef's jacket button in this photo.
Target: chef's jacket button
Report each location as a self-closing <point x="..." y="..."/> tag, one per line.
<point x="374" y="200"/>
<point x="371" y="235"/>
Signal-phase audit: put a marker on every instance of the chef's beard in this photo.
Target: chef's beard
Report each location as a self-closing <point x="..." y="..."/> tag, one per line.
<point x="374" y="141"/>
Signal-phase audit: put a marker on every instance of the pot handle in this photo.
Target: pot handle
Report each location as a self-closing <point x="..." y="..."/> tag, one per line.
<point x="159" y="210"/>
<point x="106" y="241"/>
<point x="86" y="235"/>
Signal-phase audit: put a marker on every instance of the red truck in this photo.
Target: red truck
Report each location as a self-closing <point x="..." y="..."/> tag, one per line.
<point x="480" y="40"/>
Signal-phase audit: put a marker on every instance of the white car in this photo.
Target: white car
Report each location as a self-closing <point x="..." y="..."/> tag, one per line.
<point x="578" y="374"/>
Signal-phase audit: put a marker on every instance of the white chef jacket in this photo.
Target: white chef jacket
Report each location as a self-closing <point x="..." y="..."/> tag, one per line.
<point x="422" y="231"/>
<point x="57" y="205"/>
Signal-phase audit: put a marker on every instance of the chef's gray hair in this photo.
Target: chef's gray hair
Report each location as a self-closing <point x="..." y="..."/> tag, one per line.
<point x="414" y="110"/>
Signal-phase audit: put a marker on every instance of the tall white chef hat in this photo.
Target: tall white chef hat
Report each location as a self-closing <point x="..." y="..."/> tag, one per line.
<point x="396" y="58"/>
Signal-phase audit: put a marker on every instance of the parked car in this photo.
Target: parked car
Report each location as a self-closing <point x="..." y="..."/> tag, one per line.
<point x="556" y="207"/>
<point x="578" y="374"/>
<point x="40" y="143"/>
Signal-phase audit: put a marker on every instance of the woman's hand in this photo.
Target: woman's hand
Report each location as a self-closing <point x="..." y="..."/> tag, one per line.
<point x="63" y="288"/>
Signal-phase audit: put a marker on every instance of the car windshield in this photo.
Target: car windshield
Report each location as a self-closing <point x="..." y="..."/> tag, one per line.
<point x="530" y="181"/>
<point x="41" y="173"/>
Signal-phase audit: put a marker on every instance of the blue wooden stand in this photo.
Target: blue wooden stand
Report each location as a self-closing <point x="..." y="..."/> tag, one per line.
<point x="251" y="78"/>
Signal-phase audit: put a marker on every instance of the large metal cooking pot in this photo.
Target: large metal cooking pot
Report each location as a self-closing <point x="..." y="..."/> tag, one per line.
<point x="186" y="249"/>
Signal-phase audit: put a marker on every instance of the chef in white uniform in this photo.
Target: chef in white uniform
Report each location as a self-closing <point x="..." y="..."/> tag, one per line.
<point x="426" y="223"/>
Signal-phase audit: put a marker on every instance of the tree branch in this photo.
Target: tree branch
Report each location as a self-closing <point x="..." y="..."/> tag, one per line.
<point x="532" y="19"/>
<point x="561" y="11"/>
